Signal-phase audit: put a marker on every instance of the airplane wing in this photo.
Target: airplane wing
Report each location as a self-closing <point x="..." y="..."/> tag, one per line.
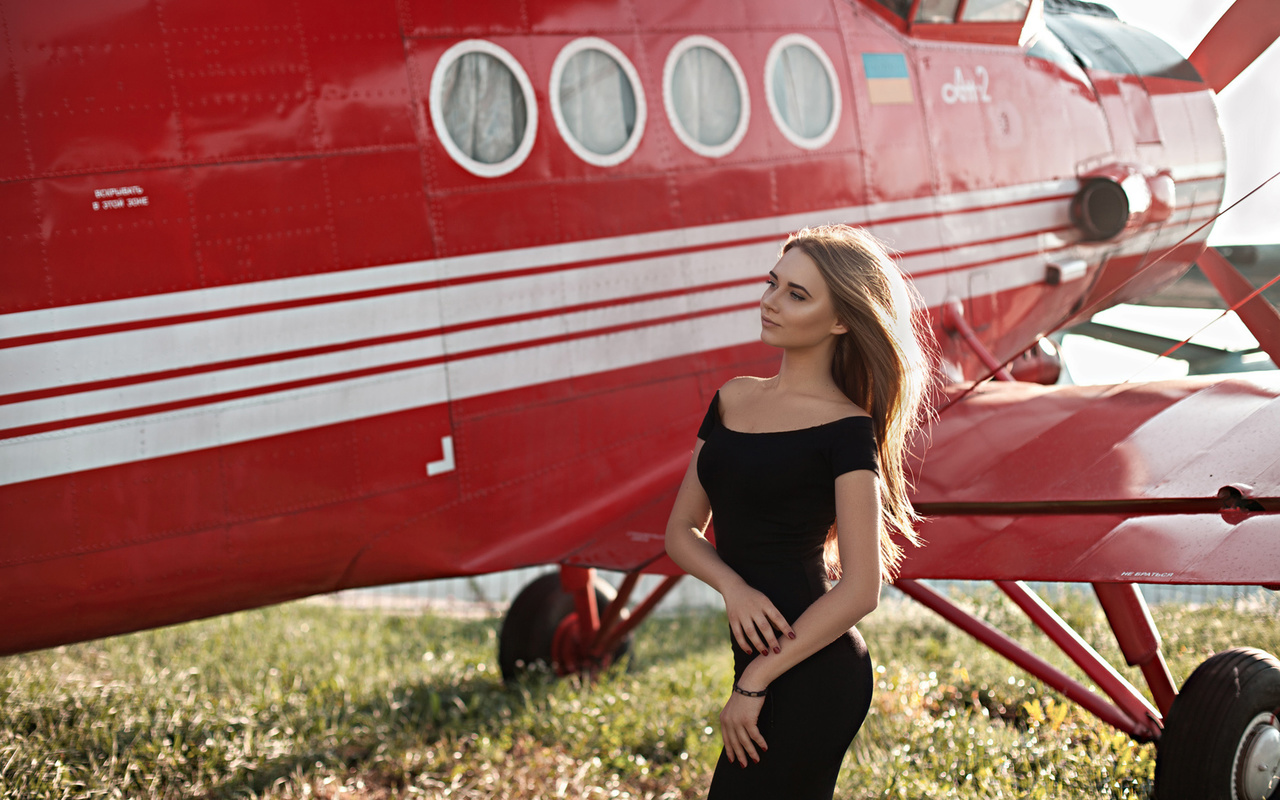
<point x="1165" y="482"/>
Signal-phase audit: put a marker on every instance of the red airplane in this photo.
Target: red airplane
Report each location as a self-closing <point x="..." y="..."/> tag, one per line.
<point x="305" y="297"/>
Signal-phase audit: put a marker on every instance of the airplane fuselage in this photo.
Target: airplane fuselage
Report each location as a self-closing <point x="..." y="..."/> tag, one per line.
<point x="299" y="298"/>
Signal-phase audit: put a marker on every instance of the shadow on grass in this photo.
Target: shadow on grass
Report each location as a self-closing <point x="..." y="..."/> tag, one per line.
<point x="377" y="729"/>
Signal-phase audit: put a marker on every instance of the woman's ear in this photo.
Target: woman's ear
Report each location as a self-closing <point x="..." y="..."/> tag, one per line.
<point x="839" y="328"/>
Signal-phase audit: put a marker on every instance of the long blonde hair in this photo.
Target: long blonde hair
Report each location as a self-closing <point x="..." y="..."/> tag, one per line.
<point x="881" y="364"/>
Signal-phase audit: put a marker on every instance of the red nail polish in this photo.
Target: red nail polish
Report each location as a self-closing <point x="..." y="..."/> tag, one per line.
<point x="764" y="652"/>
<point x="777" y="649"/>
<point x="791" y="636"/>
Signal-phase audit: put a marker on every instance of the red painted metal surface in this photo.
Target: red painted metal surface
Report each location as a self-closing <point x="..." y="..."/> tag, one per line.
<point x="1081" y="653"/>
<point x="1092" y="483"/>
<point x="1246" y="29"/>
<point x="616" y="628"/>
<point x="1142" y="729"/>
<point x="581" y="584"/>
<point x="1136" y="633"/>
<point x="953" y="321"/>
<point x="261" y="336"/>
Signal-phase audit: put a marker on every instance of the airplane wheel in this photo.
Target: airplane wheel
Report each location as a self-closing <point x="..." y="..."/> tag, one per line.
<point x="1221" y="740"/>
<point x="542" y="623"/>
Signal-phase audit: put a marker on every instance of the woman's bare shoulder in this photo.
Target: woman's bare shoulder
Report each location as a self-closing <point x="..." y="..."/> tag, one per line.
<point x="841" y="407"/>
<point x="739" y="390"/>
<point x="750" y="396"/>
<point x="743" y="383"/>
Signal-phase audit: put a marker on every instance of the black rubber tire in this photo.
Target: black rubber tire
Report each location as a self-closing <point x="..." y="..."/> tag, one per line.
<point x="1203" y="729"/>
<point x="531" y="623"/>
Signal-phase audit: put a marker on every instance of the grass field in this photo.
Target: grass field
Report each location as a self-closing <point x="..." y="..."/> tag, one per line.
<point x="307" y="700"/>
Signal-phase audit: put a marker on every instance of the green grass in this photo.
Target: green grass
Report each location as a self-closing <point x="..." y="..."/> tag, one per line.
<point x="308" y="700"/>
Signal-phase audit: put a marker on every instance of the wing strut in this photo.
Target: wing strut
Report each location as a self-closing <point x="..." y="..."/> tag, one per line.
<point x="953" y="320"/>
<point x="1135" y="718"/>
<point x="1139" y="641"/>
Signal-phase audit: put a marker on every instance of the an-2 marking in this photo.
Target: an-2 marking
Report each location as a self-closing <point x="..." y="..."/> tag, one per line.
<point x="963" y="89"/>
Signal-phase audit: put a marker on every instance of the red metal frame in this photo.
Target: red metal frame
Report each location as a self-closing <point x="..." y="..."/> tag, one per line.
<point x="1080" y="651"/>
<point x="1136" y="633"/>
<point x="586" y="639"/>
<point x="581" y="583"/>
<point x="953" y="321"/>
<point x="609" y="636"/>
<point x="1228" y="504"/>
<point x="1143" y="727"/>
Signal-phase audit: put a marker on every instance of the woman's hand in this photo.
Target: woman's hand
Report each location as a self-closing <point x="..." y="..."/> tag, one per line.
<point x="753" y="618"/>
<point x="738" y="728"/>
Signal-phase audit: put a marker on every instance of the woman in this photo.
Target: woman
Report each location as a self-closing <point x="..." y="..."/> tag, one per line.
<point x="804" y="472"/>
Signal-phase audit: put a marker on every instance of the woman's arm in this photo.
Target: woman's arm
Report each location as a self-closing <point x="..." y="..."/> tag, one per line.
<point x="830" y="616"/>
<point x="686" y="539"/>
<point x="855" y="596"/>
<point x="752" y="616"/>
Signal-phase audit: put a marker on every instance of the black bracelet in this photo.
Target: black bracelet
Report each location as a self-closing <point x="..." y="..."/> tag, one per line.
<point x="746" y="693"/>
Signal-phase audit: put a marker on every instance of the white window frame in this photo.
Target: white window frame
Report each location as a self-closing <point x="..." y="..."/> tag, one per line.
<point x="637" y="90"/>
<point x="668" y="72"/>
<point x="523" y="149"/>
<point x="771" y="61"/>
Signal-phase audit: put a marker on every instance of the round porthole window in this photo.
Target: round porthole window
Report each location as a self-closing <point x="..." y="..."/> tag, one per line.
<point x="802" y="90"/>
<point x="705" y="95"/>
<point x="482" y="108"/>
<point x="597" y="101"/>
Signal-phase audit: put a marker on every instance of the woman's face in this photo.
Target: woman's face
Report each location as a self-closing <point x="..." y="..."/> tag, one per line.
<point x="796" y="309"/>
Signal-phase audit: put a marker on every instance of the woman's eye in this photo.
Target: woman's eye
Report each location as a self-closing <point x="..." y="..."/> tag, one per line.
<point x="796" y="296"/>
<point x="770" y="282"/>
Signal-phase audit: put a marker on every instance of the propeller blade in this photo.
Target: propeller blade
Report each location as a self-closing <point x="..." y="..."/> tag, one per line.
<point x="1247" y="29"/>
<point x="1258" y="315"/>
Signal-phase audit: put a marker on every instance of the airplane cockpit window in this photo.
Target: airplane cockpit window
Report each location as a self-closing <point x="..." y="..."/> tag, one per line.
<point x="898" y="7"/>
<point x="1151" y="55"/>
<point x="482" y="108"/>
<point x="995" y="11"/>
<point x="597" y="101"/>
<point x="1111" y="45"/>
<point x="803" y="91"/>
<point x="937" y="11"/>
<point x="705" y="95"/>
<point x="1049" y="47"/>
<point x="1092" y="49"/>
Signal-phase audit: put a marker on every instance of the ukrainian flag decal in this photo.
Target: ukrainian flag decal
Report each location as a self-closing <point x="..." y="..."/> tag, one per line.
<point x="888" y="83"/>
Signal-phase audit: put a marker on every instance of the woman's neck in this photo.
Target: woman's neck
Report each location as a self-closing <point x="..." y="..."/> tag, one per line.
<point x="807" y="371"/>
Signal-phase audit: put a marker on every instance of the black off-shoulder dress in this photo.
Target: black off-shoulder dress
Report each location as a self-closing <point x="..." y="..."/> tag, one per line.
<point x="773" y="500"/>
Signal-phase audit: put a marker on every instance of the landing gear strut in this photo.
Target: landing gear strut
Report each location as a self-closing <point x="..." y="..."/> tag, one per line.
<point x="1220" y="738"/>
<point x="572" y="622"/>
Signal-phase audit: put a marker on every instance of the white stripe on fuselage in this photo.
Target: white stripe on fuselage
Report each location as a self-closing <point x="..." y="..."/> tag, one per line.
<point x="134" y="309"/>
<point x="166" y="347"/>
<point x="719" y="256"/>
<point x="153" y="436"/>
